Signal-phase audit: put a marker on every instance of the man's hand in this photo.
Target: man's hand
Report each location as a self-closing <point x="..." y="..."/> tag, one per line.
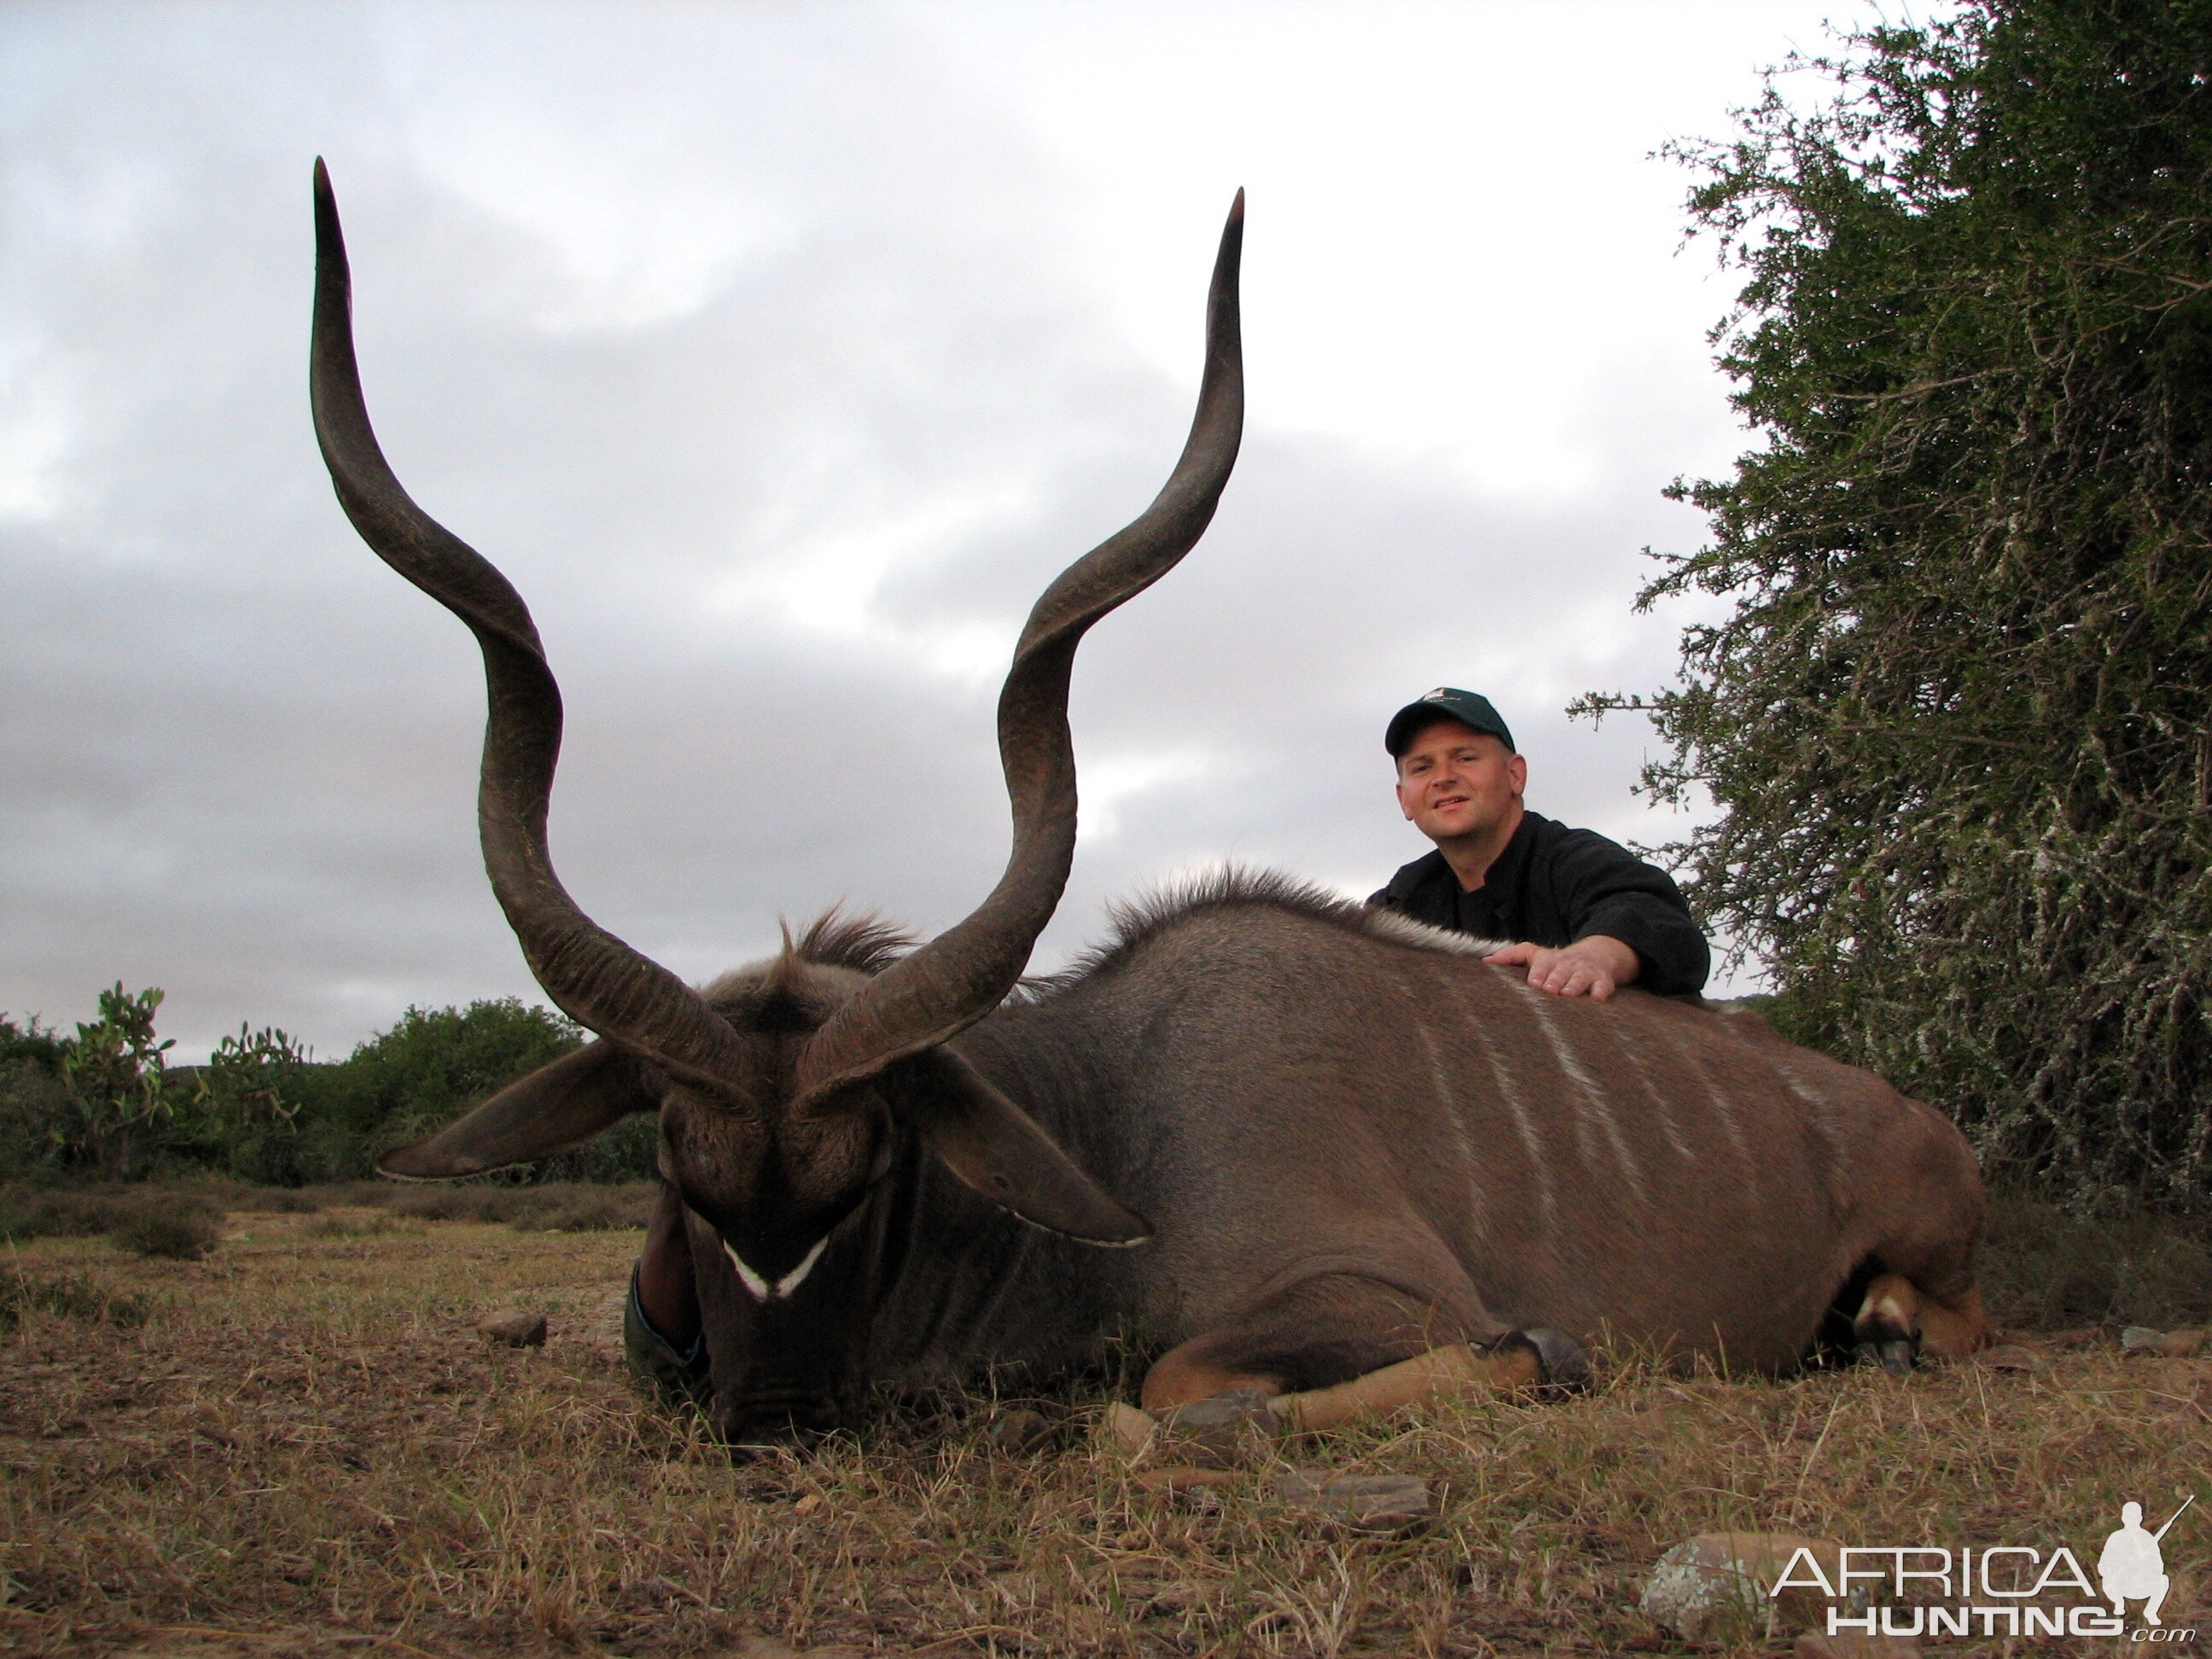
<point x="1591" y="967"/>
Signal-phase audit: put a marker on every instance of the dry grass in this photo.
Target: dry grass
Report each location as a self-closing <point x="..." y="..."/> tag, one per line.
<point x="306" y="1448"/>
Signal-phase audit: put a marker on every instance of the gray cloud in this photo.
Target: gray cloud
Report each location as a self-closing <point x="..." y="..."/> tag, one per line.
<point x="777" y="498"/>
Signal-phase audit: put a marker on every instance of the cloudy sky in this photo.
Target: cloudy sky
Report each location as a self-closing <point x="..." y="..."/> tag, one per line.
<point x="781" y="353"/>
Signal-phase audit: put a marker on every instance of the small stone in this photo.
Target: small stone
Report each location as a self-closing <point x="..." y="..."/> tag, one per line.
<point x="516" y="1330"/>
<point x="1719" y="1586"/>
<point x="2012" y="1357"/>
<point x="1369" y="1503"/>
<point x="1215" y="1432"/>
<point x="1018" y="1431"/>
<point x="2182" y="1345"/>
<point x="2139" y="1340"/>
<point x="1128" y="1429"/>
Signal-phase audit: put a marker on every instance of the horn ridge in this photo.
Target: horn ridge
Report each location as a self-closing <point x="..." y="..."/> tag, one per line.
<point x="967" y="970"/>
<point x="594" y="977"/>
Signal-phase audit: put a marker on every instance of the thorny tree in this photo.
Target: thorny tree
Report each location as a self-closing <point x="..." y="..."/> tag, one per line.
<point x="1956" y="721"/>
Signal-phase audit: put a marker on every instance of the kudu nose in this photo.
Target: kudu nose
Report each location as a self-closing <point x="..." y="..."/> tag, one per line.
<point x="753" y="1427"/>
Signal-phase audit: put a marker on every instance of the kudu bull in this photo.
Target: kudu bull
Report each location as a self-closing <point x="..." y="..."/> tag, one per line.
<point x="1344" y="1145"/>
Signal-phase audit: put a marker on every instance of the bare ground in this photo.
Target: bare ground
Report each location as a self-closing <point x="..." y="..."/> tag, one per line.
<point x="305" y="1447"/>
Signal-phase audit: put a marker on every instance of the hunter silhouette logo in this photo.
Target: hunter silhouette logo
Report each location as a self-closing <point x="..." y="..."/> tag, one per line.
<point x="2131" y="1566"/>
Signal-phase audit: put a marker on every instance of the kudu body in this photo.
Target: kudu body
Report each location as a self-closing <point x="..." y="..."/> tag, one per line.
<point x="1334" y="1140"/>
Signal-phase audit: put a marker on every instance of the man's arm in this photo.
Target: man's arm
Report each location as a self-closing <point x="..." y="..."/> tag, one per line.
<point x="1608" y="902"/>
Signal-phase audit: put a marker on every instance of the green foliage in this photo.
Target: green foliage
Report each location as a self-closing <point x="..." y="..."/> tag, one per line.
<point x="35" y="1113"/>
<point x="433" y="1063"/>
<point x="247" y="1104"/>
<point x="114" y="1072"/>
<point x="429" y="1069"/>
<point x="103" y="1105"/>
<point x="32" y="1044"/>
<point x="1959" y="720"/>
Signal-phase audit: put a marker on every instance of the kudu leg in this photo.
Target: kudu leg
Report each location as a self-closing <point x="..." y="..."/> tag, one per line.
<point x="1898" y="1319"/>
<point x="661" y="1322"/>
<point x="1339" y="1347"/>
<point x="1926" y="1218"/>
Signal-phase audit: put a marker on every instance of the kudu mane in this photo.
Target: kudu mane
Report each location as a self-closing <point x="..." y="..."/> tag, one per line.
<point x="1138" y="922"/>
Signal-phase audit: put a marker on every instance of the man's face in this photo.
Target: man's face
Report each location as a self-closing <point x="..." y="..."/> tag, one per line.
<point x="1455" y="783"/>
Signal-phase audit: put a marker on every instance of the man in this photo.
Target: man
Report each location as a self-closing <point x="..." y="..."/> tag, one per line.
<point x="1586" y="914"/>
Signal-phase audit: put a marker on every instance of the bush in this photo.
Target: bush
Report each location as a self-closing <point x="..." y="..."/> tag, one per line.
<point x="68" y="1296"/>
<point x="181" y="1232"/>
<point x="273" y="1200"/>
<point x="246" y="1105"/>
<point x="1957" y="722"/>
<point x="455" y="1203"/>
<point x="2042" y="1268"/>
<point x="35" y="1116"/>
<point x="262" y="1113"/>
<point x="56" y="1212"/>
<point x="572" y="1208"/>
<point x="564" y="1206"/>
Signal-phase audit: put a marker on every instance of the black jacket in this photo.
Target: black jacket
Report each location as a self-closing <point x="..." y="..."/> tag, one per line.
<point x="1553" y="885"/>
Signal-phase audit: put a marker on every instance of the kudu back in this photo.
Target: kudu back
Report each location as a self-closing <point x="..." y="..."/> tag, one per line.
<point x="1284" y="1141"/>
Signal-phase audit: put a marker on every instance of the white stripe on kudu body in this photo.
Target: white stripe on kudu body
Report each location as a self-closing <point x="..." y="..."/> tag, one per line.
<point x="1723" y="1107"/>
<point x="1448" y="1111"/>
<point x="1540" y="1161"/>
<point x="1590" y="1100"/>
<point x="761" y="1289"/>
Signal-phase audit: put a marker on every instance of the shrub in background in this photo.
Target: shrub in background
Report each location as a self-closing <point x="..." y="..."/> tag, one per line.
<point x="35" y="1103"/>
<point x="246" y="1107"/>
<point x="168" y="1225"/>
<point x="2042" y="1269"/>
<point x="69" y="1296"/>
<point x="57" y="1212"/>
<point x="1957" y="720"/>
<point x="547" y="1206"/>
<point x="114" y="1072"/>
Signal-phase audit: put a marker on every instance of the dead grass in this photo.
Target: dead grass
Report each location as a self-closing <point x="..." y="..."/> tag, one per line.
<point x="306" y="1448"/>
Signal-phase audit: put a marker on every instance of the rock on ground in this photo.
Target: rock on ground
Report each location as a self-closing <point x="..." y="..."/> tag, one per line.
<point x="1719" y="1586"/>
<point x="516" y="1330"/>
<point x="1369" y="1503"/>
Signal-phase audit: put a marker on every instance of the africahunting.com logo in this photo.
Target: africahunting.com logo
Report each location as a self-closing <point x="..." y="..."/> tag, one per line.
<point x="2004" y="1589"/>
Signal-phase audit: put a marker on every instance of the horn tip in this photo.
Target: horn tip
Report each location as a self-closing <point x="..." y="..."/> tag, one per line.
<point x="327" y="208"/>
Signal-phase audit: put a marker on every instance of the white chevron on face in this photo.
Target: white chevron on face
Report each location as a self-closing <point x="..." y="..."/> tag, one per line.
<point x="761" y="1289"/>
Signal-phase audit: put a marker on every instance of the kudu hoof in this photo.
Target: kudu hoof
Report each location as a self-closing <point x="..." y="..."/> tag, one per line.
<point x="1894" y="1353"/>
<point x="1566" y="1366"/>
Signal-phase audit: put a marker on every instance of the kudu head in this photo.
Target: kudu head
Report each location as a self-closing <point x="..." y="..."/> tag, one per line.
<point x="786" y="1091"/>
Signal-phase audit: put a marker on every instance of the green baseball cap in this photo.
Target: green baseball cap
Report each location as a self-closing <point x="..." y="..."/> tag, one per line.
<point x="1446" y="703"/>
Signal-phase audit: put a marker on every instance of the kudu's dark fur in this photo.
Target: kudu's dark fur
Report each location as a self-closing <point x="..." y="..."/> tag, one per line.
<point x="1337" y="1138"/>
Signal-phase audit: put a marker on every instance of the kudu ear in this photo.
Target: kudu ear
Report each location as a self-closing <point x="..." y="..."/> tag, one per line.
<point x="995" y="1148"/>
<point x="557" y="1108"/>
